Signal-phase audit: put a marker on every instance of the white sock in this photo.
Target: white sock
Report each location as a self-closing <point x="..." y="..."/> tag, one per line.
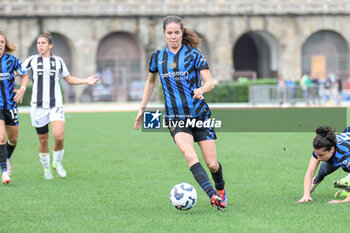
<point x="45" y="160"/>
<point x="57" y="156"/>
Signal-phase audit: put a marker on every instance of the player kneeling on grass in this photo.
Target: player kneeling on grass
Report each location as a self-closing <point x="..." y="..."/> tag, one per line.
<point x="47" y="105"/>
<point x="334" y="151"/>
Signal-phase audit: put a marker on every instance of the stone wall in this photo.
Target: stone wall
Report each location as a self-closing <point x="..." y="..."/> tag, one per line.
<point x="222" y="30"/>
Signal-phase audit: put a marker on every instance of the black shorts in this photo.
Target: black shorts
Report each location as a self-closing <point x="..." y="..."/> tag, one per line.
<point x="9" y="116"/>
<point x="198" y="133"/>
<point x="42" y="130"/>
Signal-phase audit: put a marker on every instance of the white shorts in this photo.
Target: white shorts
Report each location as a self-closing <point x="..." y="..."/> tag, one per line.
<point x="43" y="116"/>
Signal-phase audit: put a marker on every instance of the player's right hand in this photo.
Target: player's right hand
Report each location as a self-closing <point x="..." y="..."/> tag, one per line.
<point x="138" y="120"/>
<point x="198" y="94"/>
<point x="305" y="199"/>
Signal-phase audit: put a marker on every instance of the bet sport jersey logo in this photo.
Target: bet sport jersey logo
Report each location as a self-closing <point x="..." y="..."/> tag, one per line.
<point x="151" y="120"/>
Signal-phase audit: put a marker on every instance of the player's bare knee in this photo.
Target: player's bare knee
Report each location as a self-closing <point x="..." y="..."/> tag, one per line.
<point x="58" y="138"/>
<point x="189" y="154"/>
<point x="43" y="141"/>
<point x="212" y="166"/>
<point x="191" y="157"/>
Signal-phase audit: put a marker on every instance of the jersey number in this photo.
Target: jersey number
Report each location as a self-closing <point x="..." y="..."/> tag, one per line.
<point x="14" y="114"/>
<point x="60" y="112"/>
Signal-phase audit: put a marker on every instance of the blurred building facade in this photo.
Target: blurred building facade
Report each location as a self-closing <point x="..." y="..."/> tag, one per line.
<point x="249" y="38"/>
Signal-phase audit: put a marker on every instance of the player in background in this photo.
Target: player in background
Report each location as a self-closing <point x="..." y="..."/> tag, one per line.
<point x="9" y="97"/>
<point x="334" y="151"/>
<point x="180" y="66"/>
<point x="46" y="103"/>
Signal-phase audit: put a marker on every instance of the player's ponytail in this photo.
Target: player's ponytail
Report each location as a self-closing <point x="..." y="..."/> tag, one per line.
<point x="189" y="37"/>
<point x="9" y="47"/>
<point x="325" y="138"/>
<point x="48" y="36"/>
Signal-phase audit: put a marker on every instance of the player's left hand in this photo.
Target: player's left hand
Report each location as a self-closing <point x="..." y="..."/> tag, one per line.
<point x="19" y="95"/>
<point x="335" y="201"/>
<point x="92" y="80"/>
<point x="198" y="94"/>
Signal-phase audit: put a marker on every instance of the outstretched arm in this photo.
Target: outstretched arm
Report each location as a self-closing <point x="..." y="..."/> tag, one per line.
<point x="147" y="92"/>
<point x="347" y="199"/>
<point x="313" y="164"/>
<point x="77" y="81"/>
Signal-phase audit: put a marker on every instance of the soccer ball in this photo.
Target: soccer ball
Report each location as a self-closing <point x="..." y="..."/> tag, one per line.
<point x="183" y="196"/>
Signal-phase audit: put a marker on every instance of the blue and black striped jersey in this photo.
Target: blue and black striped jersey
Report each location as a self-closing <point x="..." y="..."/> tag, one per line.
<point x="9" y="64"/>
<point x="341" y="157"/>
<point x="179" y="76"/>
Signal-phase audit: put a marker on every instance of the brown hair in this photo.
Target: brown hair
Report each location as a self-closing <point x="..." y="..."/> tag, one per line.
<point x="48" y="36"/>
<point x="9" y="48"/>
<point x="189" y="37"/>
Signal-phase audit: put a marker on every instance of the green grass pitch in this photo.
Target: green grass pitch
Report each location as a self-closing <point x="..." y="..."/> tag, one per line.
<point x="119" y="180"/>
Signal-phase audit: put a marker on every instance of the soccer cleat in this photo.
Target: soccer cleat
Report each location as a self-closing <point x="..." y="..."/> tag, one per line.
<point x="222" y="194"/>
<point x="342" y="193"/>
<point x="48" y="174"/>
<point x="60" y="170"/>
<point x="343" y="183"/>
<point x="313" y="185"/>
<point x="217" y="202"/>
<point x="9" y="167"/>
<point x="5" y="178"/>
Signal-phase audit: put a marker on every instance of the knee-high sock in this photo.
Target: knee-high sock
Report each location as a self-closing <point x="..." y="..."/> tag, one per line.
<point x="3" y="157"/>
<point x="57" y="156"/>
<point x="202" y="178"/>
<point x="45" y="160"/>
<point x="218" y="178"/>
<point x="10" y="148"/>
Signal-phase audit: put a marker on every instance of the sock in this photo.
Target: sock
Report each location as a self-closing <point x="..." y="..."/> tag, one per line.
<point x="202" y="178"/>
<point x="3" y="157"/>
<point x="10" y="148"/>
<point x="318" y="179"/>
<point x="45" y="160"/>
<point x="218" y="179"/>
<point x="57" y="156"/>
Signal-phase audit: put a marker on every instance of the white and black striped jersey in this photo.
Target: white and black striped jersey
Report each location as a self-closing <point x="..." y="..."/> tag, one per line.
<point x="46" y="72"/>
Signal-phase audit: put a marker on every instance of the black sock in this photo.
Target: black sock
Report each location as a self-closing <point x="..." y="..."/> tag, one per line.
<point x="318" y="179"/>
<point x="202" y="178"/>
<point x="218" y="178"/>
<point x="3" y="157"/>
<point x="10" y="149"/>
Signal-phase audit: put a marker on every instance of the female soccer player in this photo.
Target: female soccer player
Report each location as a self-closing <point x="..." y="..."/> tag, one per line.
<point x="334" y="151"/>
<point x="180" y="66"/>
<point x="8" y="108"/>
<point x="47" y="105"/>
